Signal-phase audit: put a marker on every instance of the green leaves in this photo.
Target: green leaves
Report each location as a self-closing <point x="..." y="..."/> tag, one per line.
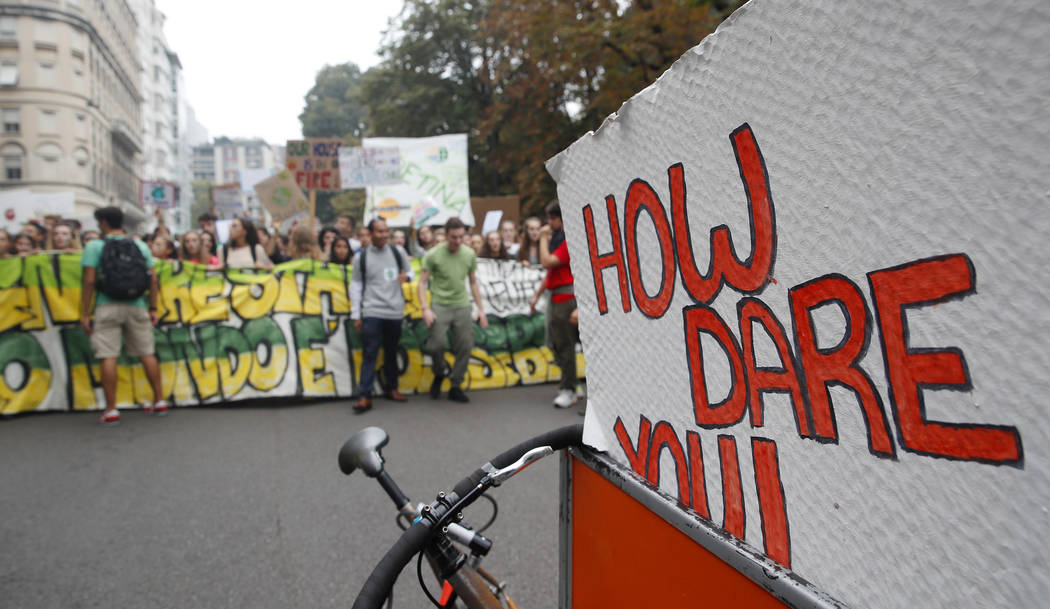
<point x="523" y="79"/>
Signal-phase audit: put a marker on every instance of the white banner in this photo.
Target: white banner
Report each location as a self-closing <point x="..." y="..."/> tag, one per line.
<point x="811" y="268"/>
<point x="360" y="167"/>
<point x="434" y="184"/>
<point x="20" y="206"/>
<point x="507" y="286"/>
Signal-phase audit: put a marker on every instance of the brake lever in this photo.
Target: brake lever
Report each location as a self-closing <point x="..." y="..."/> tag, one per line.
<point x="498" y="477"/>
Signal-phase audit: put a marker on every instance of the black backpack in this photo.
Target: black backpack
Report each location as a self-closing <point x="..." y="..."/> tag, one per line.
<point x="123" y="270"/>
<point x="364" y="270"/>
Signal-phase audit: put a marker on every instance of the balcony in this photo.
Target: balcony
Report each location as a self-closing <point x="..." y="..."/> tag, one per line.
<point x="124" y="135"/>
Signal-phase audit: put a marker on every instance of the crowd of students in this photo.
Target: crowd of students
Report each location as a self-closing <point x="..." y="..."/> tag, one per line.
<point x="448" y="255"/>
<point x="51" y="234"/>
<point x="255" y="246"/>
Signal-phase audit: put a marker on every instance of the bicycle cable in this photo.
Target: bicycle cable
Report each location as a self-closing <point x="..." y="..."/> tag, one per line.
<point x="495" y="512"/>
<point x="423" y="584"/>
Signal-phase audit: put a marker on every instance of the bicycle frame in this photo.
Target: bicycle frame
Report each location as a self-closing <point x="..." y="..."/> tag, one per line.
<point x="435" y="526"/>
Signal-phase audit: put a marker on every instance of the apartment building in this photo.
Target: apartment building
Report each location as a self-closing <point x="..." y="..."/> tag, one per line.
<point x="71" y="102"/>
<point x="243" y="161"/>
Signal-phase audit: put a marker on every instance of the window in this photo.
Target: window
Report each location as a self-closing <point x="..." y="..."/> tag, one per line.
<point x="13" y="157"/>
<point x="80" y="155"/>
<point x="49" y="155"/>
<point x="8" y="73"/>
<point x="8" y="28"/>
<point x="78" y="43"/>
<point x="158" y="100"/>
<point x="160" y="129"/>
<point x="45" y="34"/>
<point x="48" y="121"/>
<point x="79" y="82"/>
<point x="82" y="127"/>
<point x="162" y="158"/>
<point x="45" y="75"/>
<point x="12" y="120"/>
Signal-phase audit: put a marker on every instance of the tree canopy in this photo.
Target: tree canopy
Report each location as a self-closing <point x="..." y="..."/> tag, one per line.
<point x="332" y="105"/>
<point x="523" y="79"/>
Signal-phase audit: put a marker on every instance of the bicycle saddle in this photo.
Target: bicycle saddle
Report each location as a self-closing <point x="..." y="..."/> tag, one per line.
<point x="361" y="451"/>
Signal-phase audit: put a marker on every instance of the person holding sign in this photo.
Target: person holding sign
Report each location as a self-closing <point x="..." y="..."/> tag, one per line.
<point x="562" y="333"/>
<point x="449" y="265"/>
<point x="377" y="307"/>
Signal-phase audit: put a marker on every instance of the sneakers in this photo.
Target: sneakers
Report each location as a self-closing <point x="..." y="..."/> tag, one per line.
<point x="565" y="398"/>
<point x="158" y="408"/>
<point x="110" y="417"/>
<point x="435" y="388"/>
<point x="581" y="391"/>
<point x="456" y="395"/>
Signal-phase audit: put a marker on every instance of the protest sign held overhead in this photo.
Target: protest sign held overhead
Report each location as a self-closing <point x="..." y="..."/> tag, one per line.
<point x="314" y="162"/>
<point x="360" y="167"/>
<point x="810" y="264"/>
<point x="227" y="200"/>
<point x="159" y="194"/>
<point x="282" y="197"/>
<point x="434" y="185"/>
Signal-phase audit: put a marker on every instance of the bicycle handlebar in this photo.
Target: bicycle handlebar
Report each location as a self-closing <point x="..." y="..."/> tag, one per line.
<point x="377" y="587"/>
<point x="557" y="439"/>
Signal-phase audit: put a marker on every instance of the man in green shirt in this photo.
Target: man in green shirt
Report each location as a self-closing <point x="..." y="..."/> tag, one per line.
<point x="448" y="265"/>
<point x="113" y="317"/>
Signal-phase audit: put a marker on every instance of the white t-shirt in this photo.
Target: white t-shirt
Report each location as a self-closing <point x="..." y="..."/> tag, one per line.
<point x="241" y="257"/>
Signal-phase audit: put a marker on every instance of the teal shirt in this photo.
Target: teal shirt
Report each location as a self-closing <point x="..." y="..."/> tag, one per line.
<point x="448" y="274"/>
<point x="93" y="255"/>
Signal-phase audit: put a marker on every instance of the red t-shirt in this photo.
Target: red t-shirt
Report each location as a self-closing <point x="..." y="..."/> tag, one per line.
<point x="560" y="275"/>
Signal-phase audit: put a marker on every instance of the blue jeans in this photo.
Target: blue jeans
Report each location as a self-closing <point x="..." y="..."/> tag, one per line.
<point x="376" y="332"/>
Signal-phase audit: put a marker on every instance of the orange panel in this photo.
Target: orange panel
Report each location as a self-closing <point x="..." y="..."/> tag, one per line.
<point x="624" y="555"/>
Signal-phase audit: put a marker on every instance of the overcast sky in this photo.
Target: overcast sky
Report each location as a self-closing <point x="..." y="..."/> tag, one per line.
<point x="249" y="64"/>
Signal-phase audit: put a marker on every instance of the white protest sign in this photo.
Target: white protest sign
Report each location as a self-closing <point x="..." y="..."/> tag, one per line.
<point x="434" y="184"/>
<point x="159" y="194"/>
<point x="22" y="205"/>
<point x="491" y="223"/>
<point x="222" y="230"/>
<point x="811" y="268"/>
<point x="360" y="167"/>
<point x="227" y="200"/>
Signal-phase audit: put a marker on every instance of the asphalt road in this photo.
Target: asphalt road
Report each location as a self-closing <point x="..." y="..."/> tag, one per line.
<point x="244" y="506"/>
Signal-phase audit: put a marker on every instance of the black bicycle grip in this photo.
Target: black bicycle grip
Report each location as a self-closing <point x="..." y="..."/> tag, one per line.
<point x="377" y="586"/>
<point x="563" y="437"/>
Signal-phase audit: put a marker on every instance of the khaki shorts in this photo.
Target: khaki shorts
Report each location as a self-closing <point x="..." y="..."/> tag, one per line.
<point x="110" y="319"/>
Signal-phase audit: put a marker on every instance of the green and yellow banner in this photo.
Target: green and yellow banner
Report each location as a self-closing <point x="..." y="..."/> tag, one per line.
<point x="243" y="334"/>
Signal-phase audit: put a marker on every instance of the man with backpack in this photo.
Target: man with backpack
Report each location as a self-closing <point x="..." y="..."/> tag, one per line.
<point x="121" y="270"/>
<point x="377" y="306"/>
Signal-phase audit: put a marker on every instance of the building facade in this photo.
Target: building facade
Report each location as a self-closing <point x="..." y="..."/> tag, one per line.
<point x="169" y="126"/>
<point x="71" y="103"/>
<point x="240" y="161"/>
